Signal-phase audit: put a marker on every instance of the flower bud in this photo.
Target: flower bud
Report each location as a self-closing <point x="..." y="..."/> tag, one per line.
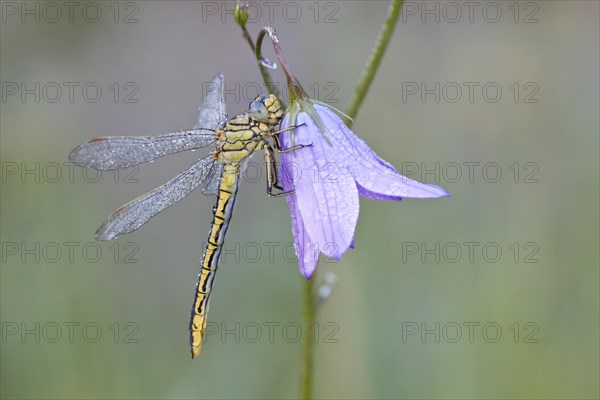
<point x="240" y="13"/>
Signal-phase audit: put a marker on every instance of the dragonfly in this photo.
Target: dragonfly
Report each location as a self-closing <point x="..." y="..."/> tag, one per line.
<point x="218" y="173"/>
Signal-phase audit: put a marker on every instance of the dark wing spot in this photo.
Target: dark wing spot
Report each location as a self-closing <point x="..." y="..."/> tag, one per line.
<point x="98" y="139"/>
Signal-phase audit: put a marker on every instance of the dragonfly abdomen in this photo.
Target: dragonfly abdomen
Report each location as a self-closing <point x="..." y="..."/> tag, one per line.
<point x="221" y="216"/>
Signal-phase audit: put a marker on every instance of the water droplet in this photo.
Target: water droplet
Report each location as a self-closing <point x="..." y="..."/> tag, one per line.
<point x="268" y="64"/>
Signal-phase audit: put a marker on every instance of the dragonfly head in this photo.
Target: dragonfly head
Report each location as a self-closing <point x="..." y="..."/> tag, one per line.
<point x="266" y="109"/>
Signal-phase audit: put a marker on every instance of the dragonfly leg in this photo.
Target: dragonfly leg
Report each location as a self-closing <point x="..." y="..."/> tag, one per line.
<point x="299" y="146"/>
<point x="280" y="150"/>
<point x="272" y="180"/>
<point x="278" y="143"/>
<point x="287" y="129"/>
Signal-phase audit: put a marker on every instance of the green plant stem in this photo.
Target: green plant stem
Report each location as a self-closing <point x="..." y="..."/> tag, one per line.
<point x="374" y="60"/>
<point x="309" y="342"/>
<point x="264" y="72"/>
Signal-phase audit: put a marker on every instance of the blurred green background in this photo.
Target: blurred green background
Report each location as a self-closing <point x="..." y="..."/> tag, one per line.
<point x="391" y="328"/>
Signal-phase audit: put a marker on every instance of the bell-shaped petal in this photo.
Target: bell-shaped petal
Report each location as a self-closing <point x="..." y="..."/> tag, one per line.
<point x="327" y="175"/>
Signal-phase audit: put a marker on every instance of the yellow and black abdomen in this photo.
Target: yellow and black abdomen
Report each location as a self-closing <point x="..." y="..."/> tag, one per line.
<point x="239" y="138"/>
<point x="221" y="216"/>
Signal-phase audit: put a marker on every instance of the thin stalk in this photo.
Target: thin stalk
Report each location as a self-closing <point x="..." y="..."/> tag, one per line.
<point x="374" y="60"/>
<point x="309" y="341"/>
<point x="264" y="72"/>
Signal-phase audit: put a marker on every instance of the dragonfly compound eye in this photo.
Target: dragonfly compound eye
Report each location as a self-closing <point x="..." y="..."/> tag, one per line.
<point x="259" y="111"/>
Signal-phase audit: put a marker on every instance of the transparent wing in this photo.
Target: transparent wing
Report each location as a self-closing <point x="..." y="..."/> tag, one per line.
<point x="134" y="214"/>
<point x="244" y="165"/>
<point x="213" y="113"/>
<point x="212" y="186"/>
<point x="113" y="152"/>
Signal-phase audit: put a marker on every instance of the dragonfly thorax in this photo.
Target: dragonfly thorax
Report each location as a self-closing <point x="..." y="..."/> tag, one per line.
<point x="240" y="137"/>
<point x="244" y="133"/>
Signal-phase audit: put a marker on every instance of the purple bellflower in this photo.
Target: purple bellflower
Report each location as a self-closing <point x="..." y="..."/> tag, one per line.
<point x="328" y="172"/>
<point x="327" y="177"/>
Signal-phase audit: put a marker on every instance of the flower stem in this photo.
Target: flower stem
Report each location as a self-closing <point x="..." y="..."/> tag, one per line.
<point x="374" y="60"/>
<point x="309" y="342"/>
<point x="264" y="72"/>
